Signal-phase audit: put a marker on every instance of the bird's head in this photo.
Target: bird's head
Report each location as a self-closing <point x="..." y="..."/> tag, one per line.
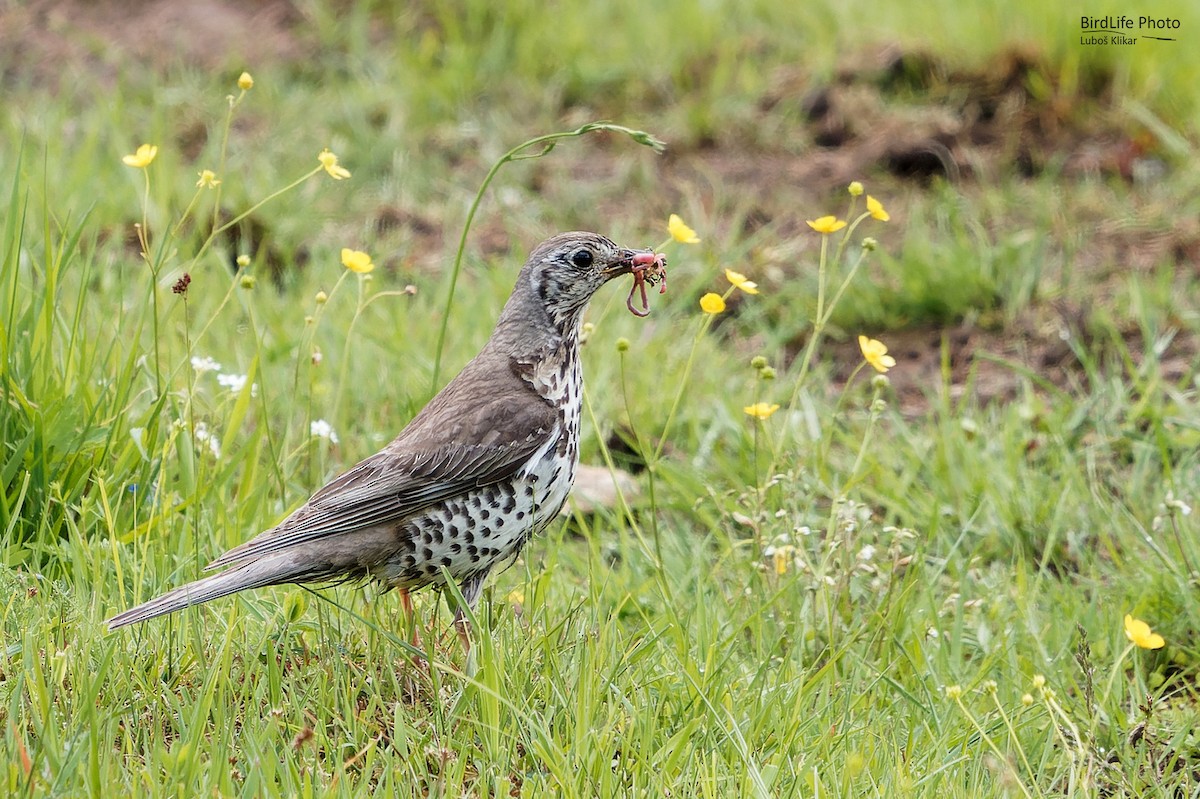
<point x="564" y="271"/>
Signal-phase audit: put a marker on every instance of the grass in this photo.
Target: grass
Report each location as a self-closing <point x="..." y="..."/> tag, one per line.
<point x="842" y="599"/>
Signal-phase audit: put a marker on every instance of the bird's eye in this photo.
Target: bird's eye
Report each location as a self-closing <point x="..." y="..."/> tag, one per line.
<point x="582" y="258"/>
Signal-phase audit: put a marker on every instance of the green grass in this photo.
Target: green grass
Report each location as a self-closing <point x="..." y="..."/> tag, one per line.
<point x="782" y="616"/>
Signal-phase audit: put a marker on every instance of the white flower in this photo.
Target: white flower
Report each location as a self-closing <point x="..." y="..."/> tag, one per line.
<point x="322" y="429"/>
<point x="1173" y="505"/>
<point x="236" y="383"/>
<point x="205" y="364"/>
<point x="203" y="436"/>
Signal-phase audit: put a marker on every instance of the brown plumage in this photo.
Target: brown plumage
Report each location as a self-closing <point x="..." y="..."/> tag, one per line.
<point x="484" y="466"/>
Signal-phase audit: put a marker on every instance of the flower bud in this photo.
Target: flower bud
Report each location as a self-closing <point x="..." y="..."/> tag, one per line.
<point x="880" y="383"/>
<point x="758" y="362"/>
<point x="855" y="188"/>
<point x="766" y="373"/>
<point x="248" y="281"/>
<point x="622" y="344"/>
<point x="321" y="298"/>
<point x="869" y="244"/>
<point x="243" y="261"/>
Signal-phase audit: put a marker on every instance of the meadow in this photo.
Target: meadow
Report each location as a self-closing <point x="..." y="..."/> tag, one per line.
<point x="966" y="571"/>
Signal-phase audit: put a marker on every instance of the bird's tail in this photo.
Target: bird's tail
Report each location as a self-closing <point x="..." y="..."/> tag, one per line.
<point x="273" y="569"/>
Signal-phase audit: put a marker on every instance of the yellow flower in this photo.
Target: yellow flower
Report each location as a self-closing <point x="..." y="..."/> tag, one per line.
<point x="875" y="209"/>
<point x="330" y="162"/>
<point x="1138" y="631"/>
<point x="681" y="232"/>
<point x="783" y="557"/>
<point x="760" y="410"/>
<point x="142" y="158"/>
<point x="855" y="188"/>
<point x="516" y="597"/>
<point x="739" y="280"/>
<point x="208" y="179"/>
<point x="712" y="303"/>
<point x="356" y="261"/>
<point x="245" y="82"/>
<point x="826" y="224"/>
<point x="875" y="352"/>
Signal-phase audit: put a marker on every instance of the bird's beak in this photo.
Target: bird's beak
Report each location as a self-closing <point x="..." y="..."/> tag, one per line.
<point x="630" y="259"/>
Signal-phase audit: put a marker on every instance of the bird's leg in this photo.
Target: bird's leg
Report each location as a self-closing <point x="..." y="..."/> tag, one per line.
<point x="463" y="628"/>
<point x="410" y="616"/>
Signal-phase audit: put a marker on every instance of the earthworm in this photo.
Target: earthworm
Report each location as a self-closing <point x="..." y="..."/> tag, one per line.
<point x="651" y="273"/>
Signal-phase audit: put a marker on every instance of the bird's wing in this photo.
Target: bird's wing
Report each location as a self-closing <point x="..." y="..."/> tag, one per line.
<point x="425" y="465"/>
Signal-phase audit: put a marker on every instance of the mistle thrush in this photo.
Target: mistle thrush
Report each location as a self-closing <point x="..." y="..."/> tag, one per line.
<point x="483" y="467"/>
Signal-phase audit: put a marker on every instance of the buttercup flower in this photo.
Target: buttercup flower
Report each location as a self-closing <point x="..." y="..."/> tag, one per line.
<point x="330" y="162"/>
<point x="245" y="82"/>
<point x="208" y="179"/>
<point x="142" y="158"/>
<point x="855" y="188"/>
<point x="681" y="232"/>
<point x="783" y="557"/>
<point x="875" y="353"/>
<point x="739" y="280"/>
<point x="712" y="303"/>
<point x="760" y="410"/>
<point x="826" y="224"/>
<point x="357" y="261"/>
<point x="875" y="209"/>
<point x="1139" y="633"/>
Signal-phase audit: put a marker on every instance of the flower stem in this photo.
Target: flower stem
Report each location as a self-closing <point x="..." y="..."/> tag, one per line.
<point x="518" y="153"/>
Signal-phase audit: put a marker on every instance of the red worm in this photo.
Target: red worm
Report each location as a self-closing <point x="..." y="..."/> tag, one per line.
<point x="643" y="274"/>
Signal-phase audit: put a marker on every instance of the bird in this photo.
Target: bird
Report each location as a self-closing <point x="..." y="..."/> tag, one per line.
<point x="483" y="467"/>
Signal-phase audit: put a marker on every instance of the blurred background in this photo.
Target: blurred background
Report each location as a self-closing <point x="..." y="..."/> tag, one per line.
<point x="1028" y="174"/>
